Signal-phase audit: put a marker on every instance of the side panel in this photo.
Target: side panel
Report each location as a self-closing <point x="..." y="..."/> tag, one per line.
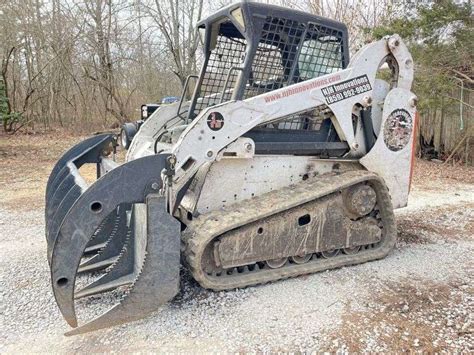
<point x="391" y="155"/>
<point x="231" y="180"/>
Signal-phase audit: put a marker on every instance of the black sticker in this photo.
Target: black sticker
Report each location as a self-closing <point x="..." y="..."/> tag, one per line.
<point x="215" y="121"/>
<point x="346" y="89"/>
<point x="397" y="129"/>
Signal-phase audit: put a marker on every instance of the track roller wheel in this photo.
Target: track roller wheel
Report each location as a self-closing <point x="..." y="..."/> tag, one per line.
<point x="276" y="263"/>
<point x="330" y="253"/>
<point x="351" y="251"/>
<point x="301" y="259"/>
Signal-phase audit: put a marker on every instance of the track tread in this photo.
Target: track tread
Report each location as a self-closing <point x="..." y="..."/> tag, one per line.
<point x="204" y="228"/>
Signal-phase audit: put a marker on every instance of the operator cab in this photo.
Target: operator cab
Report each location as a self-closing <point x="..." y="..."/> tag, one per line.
<point x="254" y="48"/>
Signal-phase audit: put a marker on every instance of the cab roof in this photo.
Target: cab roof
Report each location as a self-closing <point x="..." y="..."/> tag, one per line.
<point x="253" y="12"/>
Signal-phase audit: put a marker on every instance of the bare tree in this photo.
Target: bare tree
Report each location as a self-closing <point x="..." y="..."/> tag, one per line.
<point x="357" y="15"/>
<point x="88" y="63"/>
<point x="176" y="20"/>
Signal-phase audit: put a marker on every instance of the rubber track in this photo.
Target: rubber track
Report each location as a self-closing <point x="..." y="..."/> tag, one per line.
<point x="203" y="229"/>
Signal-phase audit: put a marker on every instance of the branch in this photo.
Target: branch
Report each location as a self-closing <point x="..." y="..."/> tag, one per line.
<point x="470" y="80"/>
<point x="6" y="61"/>
<point x="459" y="100"/>
<point x="22" y="125"/>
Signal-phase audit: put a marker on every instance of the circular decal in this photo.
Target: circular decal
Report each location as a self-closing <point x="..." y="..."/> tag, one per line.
<point x="215" y="121"/>
<point x="397" y="129"/>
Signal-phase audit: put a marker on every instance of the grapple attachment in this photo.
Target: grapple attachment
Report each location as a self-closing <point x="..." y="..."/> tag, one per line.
<point x="121" y="221"/>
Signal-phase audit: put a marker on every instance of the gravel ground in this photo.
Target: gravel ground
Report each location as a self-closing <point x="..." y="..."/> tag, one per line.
<point x="419" y="298"/>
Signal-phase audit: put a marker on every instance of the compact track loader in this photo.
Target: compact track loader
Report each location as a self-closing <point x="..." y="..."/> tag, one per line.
<point x="288" y="159"/>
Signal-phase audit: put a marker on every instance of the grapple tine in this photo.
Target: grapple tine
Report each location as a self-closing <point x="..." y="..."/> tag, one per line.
<point x="126" y="184"/>
<point x="87" y="151"/>
<point x="99" y="239"/>
<point x="157" y="250"/>
<point x="102" y="234"/>
<point x="55" y="197"/>
<point x="65" y="184"/>
<point x="79" y="149"/>
<point x="92" y="249"/>
<point x="121" y="273"/>
<point x="116" y="229"/>
<point x="69" y="198"/>
<point x="59" y="188"/>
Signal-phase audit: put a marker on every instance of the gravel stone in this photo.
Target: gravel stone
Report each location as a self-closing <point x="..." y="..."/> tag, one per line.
<point x="337" y="311"/>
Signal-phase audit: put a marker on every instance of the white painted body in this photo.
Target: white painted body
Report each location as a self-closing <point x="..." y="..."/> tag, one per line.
<point x="200" y="151"/>
<point x="230" y="180"/>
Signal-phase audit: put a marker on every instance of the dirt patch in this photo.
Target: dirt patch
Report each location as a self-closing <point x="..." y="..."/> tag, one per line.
<point x="431" y="176"/>
<point x="25" y="164"/>
<point x="412" y="315"/>
<point x="417" y="314"/>
<point x="26" y="160"/>
<point x="437" y="223"/>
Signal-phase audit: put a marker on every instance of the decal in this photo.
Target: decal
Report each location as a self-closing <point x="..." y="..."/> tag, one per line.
<point x="346" y="89"/>
<point x="215" y="121"/>
<point x="397" y="129"/>
<point x="299" y="88"/>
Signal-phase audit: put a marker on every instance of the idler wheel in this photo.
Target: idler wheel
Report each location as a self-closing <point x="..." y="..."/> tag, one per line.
<point x="359" y="200"/>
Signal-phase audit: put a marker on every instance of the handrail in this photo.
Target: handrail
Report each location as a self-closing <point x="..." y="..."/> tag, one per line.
<point x="186" y="83"/>
<point x="227" y="81"/>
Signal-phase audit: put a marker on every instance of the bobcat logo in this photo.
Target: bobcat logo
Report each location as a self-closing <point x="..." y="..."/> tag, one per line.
<point x="215" y="121"/>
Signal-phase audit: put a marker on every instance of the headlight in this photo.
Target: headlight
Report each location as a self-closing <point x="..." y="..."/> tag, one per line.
<point x="144" y="112"/>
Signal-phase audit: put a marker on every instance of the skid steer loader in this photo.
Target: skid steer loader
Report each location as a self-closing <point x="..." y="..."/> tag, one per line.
<point x="288" y="159"/>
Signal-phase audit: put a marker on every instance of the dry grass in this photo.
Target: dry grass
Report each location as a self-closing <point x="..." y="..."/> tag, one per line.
<point x="25" y="164"/>
<point x="26" y="160"/>
<point x="430" y="175"/>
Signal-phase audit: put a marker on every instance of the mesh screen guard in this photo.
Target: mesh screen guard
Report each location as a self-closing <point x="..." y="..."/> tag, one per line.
<point x="287" y="52"/>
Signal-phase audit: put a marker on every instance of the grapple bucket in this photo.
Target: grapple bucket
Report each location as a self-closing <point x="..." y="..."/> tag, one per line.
<point x="121" y="222"/>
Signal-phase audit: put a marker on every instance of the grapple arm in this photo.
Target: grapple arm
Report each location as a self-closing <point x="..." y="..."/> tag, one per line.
<point x="75" y="213"/>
